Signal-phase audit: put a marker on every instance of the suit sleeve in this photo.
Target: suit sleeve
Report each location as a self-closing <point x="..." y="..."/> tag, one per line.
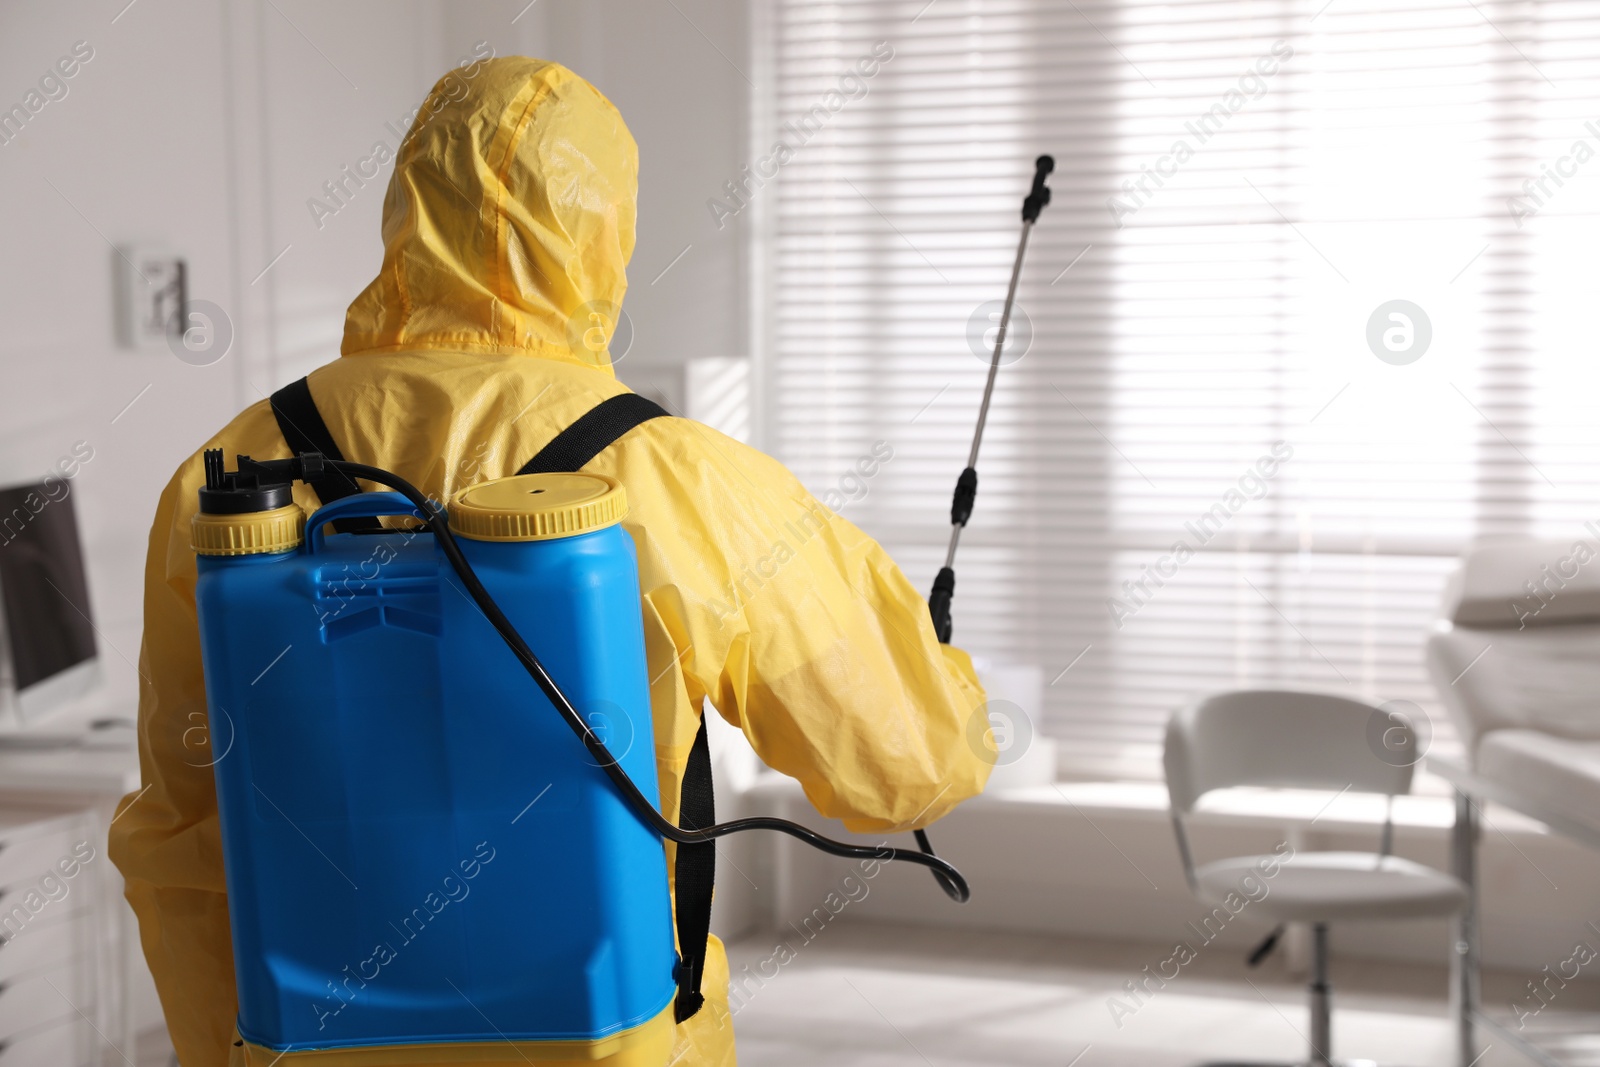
<point x="165" y="838"/>
<point x="825" y="655"/>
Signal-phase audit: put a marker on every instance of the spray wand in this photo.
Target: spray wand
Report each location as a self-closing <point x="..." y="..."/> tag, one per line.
<point x="944" y="586"/>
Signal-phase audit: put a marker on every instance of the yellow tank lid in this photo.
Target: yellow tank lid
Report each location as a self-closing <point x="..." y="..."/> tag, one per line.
<point x="537" y="507"/>
<point x="248" y="533"/>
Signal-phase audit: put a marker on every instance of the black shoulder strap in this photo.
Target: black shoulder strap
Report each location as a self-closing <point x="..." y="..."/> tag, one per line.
<point x="305" y="430"/>
<point x="695" y="872"/>
<point x="593" y="433"/>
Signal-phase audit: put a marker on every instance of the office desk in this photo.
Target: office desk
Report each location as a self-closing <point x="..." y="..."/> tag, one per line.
<point x="38" y="784"/>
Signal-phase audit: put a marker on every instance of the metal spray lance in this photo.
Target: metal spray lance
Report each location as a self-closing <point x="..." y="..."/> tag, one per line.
<point x="944" y="586"/>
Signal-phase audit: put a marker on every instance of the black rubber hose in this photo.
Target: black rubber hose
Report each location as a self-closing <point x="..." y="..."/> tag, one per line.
<point x="948" y="877"/>
<point x="952" y="890"/>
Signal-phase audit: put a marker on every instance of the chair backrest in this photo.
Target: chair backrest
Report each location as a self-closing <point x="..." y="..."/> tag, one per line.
<point x="1285" y="739"/>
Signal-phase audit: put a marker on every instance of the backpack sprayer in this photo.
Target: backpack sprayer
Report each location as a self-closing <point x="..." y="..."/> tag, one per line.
<point x="966" y="493"/>
<point x="389" y="736"/>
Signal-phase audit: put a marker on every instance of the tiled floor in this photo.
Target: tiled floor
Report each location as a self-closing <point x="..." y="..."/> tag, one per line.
<point x="876" y="996"/>
<point x="862" y="996"/>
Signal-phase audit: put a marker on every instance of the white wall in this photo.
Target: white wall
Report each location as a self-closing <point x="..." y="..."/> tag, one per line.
<point x="207" y="127"/>
<point x="677" y="72"/>
<point x="136" y="151"/>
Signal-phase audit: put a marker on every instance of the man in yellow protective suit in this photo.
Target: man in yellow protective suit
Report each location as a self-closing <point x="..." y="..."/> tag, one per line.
<point x="510" y="215"/>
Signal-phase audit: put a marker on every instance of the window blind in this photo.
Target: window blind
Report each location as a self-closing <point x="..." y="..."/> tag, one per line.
<point x="1309" y="312"/>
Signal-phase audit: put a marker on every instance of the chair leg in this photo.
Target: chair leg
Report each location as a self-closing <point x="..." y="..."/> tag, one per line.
<point x="1464" y="989"/>
<point x="1321" y="999"/>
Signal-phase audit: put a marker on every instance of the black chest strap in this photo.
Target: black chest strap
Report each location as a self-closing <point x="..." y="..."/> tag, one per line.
<point x="695" y="869"/>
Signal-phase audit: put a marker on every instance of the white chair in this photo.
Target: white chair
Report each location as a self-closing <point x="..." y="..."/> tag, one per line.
<point x="1297" y="740"/>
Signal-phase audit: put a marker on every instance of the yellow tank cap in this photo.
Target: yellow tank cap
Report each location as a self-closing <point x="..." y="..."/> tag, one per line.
<point x="537" y="507"/>
<point x="250" y="533"/>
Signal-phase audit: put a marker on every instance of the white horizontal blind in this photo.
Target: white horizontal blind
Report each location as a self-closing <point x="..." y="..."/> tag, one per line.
<point x="1240" y="187"/>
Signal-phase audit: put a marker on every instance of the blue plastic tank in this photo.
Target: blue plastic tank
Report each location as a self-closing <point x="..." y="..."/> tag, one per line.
<point x="418" y="849"/>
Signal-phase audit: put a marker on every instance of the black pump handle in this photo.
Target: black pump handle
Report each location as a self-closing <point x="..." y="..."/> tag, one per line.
<point x="1039" y="195"/>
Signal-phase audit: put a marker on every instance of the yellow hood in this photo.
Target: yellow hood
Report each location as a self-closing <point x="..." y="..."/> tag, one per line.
<point x="509" y="220"/>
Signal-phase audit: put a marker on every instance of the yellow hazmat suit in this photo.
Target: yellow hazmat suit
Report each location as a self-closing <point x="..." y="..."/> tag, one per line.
<point x="507" y="226"/>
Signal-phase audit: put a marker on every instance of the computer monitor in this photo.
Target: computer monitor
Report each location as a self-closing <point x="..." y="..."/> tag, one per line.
<point x="48" y="656"/>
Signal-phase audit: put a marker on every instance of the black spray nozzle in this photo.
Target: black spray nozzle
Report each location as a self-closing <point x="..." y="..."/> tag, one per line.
<point x="253" y="487"/>
<point x="1039" y="195"/>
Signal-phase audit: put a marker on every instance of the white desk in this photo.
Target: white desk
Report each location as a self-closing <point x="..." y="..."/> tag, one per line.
<point x="70" y="772"/>
<point x="88" y="780"/>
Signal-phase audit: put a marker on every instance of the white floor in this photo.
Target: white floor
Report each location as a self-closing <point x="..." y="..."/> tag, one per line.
<point x="867" y="996"/>
<point x="876" y="996"/>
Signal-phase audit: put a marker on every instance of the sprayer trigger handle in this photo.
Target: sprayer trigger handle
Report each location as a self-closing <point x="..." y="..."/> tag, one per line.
<point x="944" y="591"/>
